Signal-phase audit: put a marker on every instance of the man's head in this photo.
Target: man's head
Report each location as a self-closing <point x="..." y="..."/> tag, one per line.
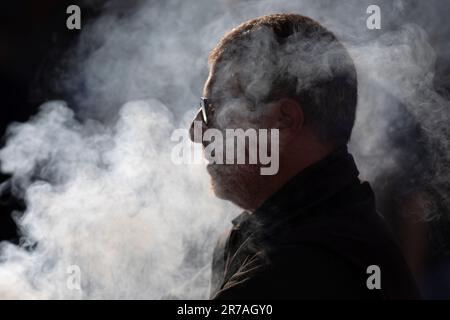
<point x="285" y="72"/>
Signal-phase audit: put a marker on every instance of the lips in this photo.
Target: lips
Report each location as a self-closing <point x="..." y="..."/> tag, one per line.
<point x="210" y="157"/>
<point x="209" y="161"/>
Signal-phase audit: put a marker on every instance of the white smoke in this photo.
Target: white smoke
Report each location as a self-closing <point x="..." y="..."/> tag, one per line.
<point x="101" y="191"/>
<point x="110" y="202"/>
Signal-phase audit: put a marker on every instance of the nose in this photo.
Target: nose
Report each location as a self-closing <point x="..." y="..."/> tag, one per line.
<point x="197" y="128"/>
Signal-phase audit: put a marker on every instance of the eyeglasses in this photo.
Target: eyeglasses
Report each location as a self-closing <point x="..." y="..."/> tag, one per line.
<point x="206" y="108"/>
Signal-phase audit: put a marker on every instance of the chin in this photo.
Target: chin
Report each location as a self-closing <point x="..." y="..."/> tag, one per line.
<point x="219" y="183"/>
<point x="219" y="192"/>
<point x="227" y="195"/>
<point x="231" y="184"/>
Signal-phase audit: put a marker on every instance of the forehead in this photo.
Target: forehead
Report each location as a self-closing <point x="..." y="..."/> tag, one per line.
<point x="223" y="82"/>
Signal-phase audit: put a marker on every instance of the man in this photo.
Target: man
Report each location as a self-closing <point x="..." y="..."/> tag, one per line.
<point x="310" y="230"/>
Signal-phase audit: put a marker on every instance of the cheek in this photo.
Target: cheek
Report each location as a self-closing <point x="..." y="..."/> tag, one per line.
<point x="236" y="116"/>
<point x="227" y="119"/>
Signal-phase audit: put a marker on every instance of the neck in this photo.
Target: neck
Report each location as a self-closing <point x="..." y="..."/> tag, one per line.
<point x="291" y="164"/>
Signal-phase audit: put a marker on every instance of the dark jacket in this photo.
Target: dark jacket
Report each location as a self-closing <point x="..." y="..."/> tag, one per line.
<point x="313" y="239"/>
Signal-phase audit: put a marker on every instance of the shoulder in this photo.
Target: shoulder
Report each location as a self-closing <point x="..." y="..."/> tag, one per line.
<point x="300" y="271"/>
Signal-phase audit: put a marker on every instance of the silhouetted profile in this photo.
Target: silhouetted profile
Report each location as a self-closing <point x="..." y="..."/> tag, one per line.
<point x="311" y="230"/>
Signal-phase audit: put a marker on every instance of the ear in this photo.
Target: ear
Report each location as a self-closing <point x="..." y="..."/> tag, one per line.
<point x="287" y="116"/>
<point x="290" y="116"/>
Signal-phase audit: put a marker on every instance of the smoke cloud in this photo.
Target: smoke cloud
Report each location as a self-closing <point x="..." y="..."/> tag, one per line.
<point x="101" y="190"/>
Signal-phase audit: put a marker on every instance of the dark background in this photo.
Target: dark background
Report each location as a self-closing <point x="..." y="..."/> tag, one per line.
<point x="34" y="44"/>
